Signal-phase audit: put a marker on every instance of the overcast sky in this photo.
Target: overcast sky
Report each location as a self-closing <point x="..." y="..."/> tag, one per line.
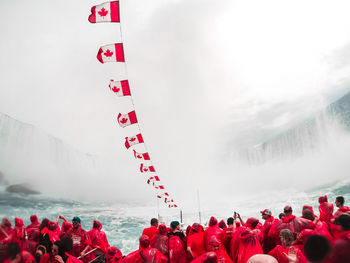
<point x="204" y="74"/>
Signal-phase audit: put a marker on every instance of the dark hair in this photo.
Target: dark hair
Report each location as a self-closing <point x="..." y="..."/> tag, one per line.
<point x="44" y="223"/>
<point x="67" y="243"/>
<point x="317" y="248"/>
<point x="287" y="236"/>
<point x="340" y="199"/>
<point x="154" y="221"/>
<point x="61" y="250"/>
<point x="230" y="221"/>
<point x="307" y="214"/>
<point x="281" y="215"/>
<point x="13" y="250"/>
<point x="287" y="209"/>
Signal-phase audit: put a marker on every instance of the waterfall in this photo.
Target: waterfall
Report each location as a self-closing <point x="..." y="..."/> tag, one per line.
<point x="29" y="154"/>
<point x="310" y="136"/>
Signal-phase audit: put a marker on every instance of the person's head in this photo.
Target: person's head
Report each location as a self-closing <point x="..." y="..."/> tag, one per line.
<point x="287" y="237"/>
<point x="56" y="247"/>
<point x="196" y="227"/>
<point x="343" y="221"/>
<point x="144" y="241"/>
<point x="40" y="251"/>
<point x="44" y="223"/>
<point x="340" y="251"/>
<point x="34" y="219"/>
<point x="260" y="258"/>
<point x="52" y="226"/>
<point x="339" y="201"/>
<point x="222" y="224"/>
<point x="308" y="214"/>
<point x="34" y="235"/>
<point x="210" y="257"/>
<point x="76" y="222"/>
<point x="317" y="248"/>
<point x="252" y="222"/>
<point x="266" y="214"/>
<point x="175" y="225"/>
<point x="287" y="210"/>
<point x="162" y="229"/>
<point x="96" y="225"/>
<point x="281" y="215"/>
<point x="230" y="221"/>
<point x="154" y="222"/>
<point x="5" y="223"/>
<point x="323" y="199"/>
<point x="67" y="243"/>
<point x="14" y="251"/>
<point x="213" y="221"/>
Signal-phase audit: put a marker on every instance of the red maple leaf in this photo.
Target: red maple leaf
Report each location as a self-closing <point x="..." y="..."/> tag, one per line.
<point x="108" y="53"/>
<point x="115" y="89"/>
<point x="132" y="139"/>
<point x="139" y="156"/>
<point x="103" y="12"/>
<point x="123" y="121"/>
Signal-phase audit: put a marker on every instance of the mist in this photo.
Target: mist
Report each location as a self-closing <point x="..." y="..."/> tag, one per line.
<point x="208" y="79"/>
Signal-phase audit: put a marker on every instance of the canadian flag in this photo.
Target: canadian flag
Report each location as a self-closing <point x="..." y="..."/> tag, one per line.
<point x="127" y="119"/>
<point x="170" y="206"/>
<point x="167" y="200"/>
<point x="153" y="180"/>
<point x="111" y="53"/>
<point x="141" y="156"/>
<point x="121" y="88"/>
<point x="145" y="168"/>
<point x="106" y="12"/>
<point x="130" y="141"/>
<point x="159" y="187"/>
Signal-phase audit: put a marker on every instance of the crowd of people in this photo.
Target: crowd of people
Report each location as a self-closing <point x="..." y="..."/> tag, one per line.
<point x="286" y="239"/>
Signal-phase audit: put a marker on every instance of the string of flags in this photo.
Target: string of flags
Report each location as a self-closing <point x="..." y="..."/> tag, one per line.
<point x="109" y="12"/>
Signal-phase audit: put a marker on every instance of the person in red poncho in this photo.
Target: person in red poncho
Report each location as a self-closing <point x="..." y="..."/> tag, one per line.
<point x="291" y="222"/>
<point x="280" y="251"/>
<point x="152" y="230"/>
<point x="249" y="243"/>
<point x="220" y="251"/>
<point x="33" y="225"/>
<point x="160" y="240"/>
<point x="145" y="254"/>
<point x="15" y="255"/>
<point x="177" y="246"/>
<point x="97" y="237"/>
<point x="81" y="241"/>
<point x="113" y="255"/>
<point x="66" y="226"/>
<point x="339" y="202"/>
<point x="212" y="230"/>
<point x="195" y="241"/>
<point x="32" y="242"/>
<point x="227" y="234"/>
<point x="19" y="232"/>
<point x="326" y="209"/>
<point x="268" y="244"/>
<point x="6" y="232"/>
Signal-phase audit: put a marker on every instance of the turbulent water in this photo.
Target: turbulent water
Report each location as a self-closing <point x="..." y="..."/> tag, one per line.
<point x="123" y="223"/>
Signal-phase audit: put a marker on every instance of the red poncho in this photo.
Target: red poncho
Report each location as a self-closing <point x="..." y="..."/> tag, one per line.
<point x="98" y="238"/>
<point x="177" y="253"/>
<point x="145" y="254"/>
<point x="278" y="251"/>
<point x="34" y="224"/>
<point x="19" y="232"/>
<point x="268" y="243"/>
<point x="212" y="230"/>
<point x="160" y="240"/>
<point x="219" y="250"/>
<point x="80" y="240"/>
<point x="113" y="255"/>
<point x="341" y="210"/>
<point x="150" y="232"/>
<point x="196" y="243"/>
<point x="248" y="246"/>
<point x="326" y="211"/>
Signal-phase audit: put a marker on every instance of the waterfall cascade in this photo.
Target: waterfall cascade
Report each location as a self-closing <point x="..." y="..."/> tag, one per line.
<point x="310" y="136"/>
